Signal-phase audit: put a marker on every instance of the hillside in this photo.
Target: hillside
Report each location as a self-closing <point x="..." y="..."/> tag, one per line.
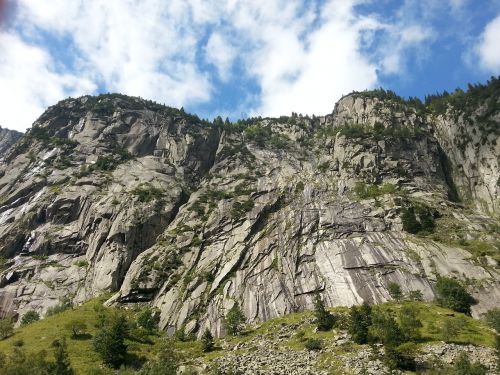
<point x="278" y="345"/>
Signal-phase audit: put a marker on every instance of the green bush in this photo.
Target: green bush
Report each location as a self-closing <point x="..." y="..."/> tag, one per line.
<point x="313" y="344"/>
<point x="148" y="320"/>
<point x="109" y="341"/>
<point x="493" y="318"/>
<point x="367" y="191"/>
<point x="394" y="290"/>
<point x="452" y="295"/>
<point x="30" y="317"/>
<point x="6" y="328"/>
<point x="147" y="192"/>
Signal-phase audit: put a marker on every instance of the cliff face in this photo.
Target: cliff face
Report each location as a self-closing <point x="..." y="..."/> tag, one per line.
<point x="116" y="194"/>
<point x="7" y="139"/>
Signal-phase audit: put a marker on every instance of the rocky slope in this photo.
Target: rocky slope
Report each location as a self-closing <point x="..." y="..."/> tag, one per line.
<point x="118" y="194"/>
<point x="7" y="139"/>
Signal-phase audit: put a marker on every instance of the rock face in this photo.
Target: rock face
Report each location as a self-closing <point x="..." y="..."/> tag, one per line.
<point x="7" y="139"/>
<point x="117" y="194"/>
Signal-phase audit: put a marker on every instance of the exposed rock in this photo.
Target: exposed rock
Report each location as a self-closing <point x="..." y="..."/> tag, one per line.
<point x="7" y="139"/>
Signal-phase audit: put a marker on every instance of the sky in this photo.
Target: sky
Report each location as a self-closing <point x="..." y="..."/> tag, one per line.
<point x="239" y="58"/>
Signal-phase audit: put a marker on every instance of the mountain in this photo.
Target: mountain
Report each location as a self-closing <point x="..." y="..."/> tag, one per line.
<point x="7" y="139"/>
<point x="119" y="194"/>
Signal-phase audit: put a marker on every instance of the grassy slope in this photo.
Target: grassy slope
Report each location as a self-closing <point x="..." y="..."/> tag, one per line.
<point x="39" y="335"/>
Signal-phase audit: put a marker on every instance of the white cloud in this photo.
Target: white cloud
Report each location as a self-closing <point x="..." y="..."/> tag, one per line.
<point x="28" y="83"/>
<point x="221" y="54"/>
<point x="489" y="47"/>
<point x="302" y="55"/>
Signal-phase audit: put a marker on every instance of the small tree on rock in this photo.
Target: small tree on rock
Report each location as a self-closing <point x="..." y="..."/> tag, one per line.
<point x="207" y="341"/>
<point x="324" y="319"/>
<point x="147" y="320"/>
<point x="234" y="320"/>
<point x="395" y="291"/>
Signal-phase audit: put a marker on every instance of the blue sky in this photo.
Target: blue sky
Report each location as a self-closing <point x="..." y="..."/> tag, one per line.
<point x="240" y="58"/>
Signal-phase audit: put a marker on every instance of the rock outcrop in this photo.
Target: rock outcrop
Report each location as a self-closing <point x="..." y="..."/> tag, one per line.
<point x="7" y="139"/>
<point x="117" y="194"/>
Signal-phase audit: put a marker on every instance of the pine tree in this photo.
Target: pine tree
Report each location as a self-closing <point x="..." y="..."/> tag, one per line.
<point x="234" y="320"/>
<point x="207" y="341"/>
<point x="360" y="320"/>
<point x="452" y="295"/>
<point x="324" y="319"/>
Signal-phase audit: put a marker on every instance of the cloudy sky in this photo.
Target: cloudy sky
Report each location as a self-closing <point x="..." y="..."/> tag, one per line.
<point x="239" y="58"/>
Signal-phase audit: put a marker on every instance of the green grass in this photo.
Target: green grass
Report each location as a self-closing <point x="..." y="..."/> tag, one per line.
<point x="39" y="336"/>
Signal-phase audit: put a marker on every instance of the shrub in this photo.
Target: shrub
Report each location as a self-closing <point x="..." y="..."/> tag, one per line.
<point x="324" y="319"/>
<point x="463" y="366"/>
<point x="234" y="320"/>
<point x="313" y="344"/>
<point x="6" y="328"/>
<point x="109" y="341"/>
<point x="452" y="295"/>
<point x="415" y="295"/>
<point x="207" y="341"/>
<point x="401" y="357"/>
<point x="395" y="291"/>
<point x="493" y="318"/>
<point x="147" y="320"/>
<point x="147" y="192"/>
<point x="30" y="317"/>
<point x="451" y="328"/>
<point x="386" y="330"/>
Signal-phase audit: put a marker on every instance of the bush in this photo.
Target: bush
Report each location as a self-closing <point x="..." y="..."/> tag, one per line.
<point x="6" y="328"/>
<point x="30" y="317"/>
<point x="324" y="319"/>
<point x="147" y="192"/>
<point x="451" y="328"/>
<point x="109" y="341"/>
<point x="148" y="320"/>
<point x="360" y="320"/>
<point x="452" y="295"/>
<point x="207" y="341"/>
<point x="401" y="357"/>
<point x="234" y="320"/>
<point x="313" y="344"/>
<point x="463" y="366"/>
<point x="394" y="290"/>
<point x="493" y="318"/>
<point x="386" y="330"/>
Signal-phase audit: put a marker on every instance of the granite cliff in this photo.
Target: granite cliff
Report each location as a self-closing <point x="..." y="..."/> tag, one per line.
<point x="115" y="194"/>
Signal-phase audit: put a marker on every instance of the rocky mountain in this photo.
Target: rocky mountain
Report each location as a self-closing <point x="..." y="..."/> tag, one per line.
<point x="7" y="139"/>
<point x="115" y="194"/>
